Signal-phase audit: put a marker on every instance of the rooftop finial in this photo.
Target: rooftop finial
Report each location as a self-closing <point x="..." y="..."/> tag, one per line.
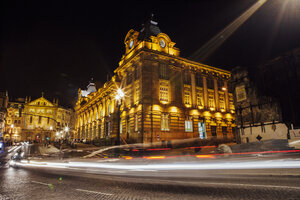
<point x="42" y="94"/>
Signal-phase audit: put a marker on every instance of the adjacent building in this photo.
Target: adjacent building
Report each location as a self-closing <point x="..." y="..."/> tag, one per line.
<point x="37" y="120"/>
<point x="267" y="98"/>
<point x="3" y="112"/>
<point x="14" y="120"/>
<point x="156" y="95"/>
<point x="258" y="116"/>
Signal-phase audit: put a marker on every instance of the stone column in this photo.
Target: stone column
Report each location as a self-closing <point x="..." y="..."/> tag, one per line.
<point x="205" y="93"/>
<point x="226" y="97"/>
<point x="193" y="85"/>
<point x="217" y="106"/>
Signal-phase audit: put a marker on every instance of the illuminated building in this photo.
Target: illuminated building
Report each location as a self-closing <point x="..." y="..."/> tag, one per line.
<point x="166" y="96"/>
<point x="14" y="121"/>
<point x="3" y="111"/>
<point x="37" y="120"/>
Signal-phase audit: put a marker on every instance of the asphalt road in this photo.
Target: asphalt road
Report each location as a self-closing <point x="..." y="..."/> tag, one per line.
<point x="17" y="183"/>
<point x="38" y="182"/>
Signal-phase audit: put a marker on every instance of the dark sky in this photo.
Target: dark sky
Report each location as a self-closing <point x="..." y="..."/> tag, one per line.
<point x="57" y="46"/>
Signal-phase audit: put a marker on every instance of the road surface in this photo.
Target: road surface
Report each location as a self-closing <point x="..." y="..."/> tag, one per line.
<point x="71" y="182"/>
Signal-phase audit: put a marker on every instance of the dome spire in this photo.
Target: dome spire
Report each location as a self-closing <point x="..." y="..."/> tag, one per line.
<point x="150" y="28"/>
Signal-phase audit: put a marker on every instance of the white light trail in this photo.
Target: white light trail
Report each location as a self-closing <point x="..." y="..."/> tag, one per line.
<point x="269" y="164"/>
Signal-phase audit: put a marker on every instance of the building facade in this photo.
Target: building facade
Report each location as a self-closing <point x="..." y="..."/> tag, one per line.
<point x="258" y="117"/>
<point x="266" y="98"/>
<point x="166" y="97"/>
<point x="38" y="120"/>
<point x="14" y="121"/>
<point x="3" y="112"/>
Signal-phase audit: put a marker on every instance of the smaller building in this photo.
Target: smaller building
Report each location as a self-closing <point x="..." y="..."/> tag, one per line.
<point x="3" y="112"/>
<point x="14" y="120"/>
<point x="38" y="120"/>
<point x="258" y="117"/>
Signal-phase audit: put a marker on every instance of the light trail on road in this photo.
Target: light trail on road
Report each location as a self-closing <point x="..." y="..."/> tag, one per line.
<point x="264" y="164"/>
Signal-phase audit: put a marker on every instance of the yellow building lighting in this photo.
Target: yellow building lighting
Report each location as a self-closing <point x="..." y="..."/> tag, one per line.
<point x="164" y="94"/>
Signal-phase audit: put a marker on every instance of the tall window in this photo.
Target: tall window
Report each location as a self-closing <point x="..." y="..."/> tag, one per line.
<point x="220" y="84"/>
<point x="222" y="102"/>
<point x="210" y="83"/>
<point x="163" y="71"/>
<point x="137" y="92"/>
<point x="136" y="123"/>
<point x="109" y="108"/>
<point x="164" y="91"/>
<point x="187" y="97"/>
<point x="200" y="98"/>
<point x="30" y="119"/>
<point x="231" y="105"/>
<point x="186" y="77"/>
<point x="213" y="131"/>
<point x="199" y="80"/>
<point x="189" y="125"/>
<point x="40" y="119"/>
<point x="136" y="73"/>
<point x="129" y="78"/>
<point x="211" y="101"/>
<point x="48" y="120"/>
<point x="165" y="122"/>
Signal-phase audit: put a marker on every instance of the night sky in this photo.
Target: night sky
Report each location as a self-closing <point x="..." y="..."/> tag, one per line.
<point x="57" y="46"/>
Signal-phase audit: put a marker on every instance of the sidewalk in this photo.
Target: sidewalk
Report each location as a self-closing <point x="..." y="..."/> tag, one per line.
<point x="294" y="143"/>
<point x="48" y="150"/>
<point x="80" y="147"/>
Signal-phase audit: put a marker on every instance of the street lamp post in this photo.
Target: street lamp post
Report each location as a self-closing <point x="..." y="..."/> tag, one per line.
<point x="11" y="132"/>
<point x="119" y="96"/>
<point x="67" y="133"/>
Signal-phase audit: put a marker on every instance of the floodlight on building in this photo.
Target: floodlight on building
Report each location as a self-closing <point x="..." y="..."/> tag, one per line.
<point x="51" y="128"/>
<point x="66" y="129"/>
<point x="224" y="88"/>
<point x="57" y="133"/>
<point x="11" y="126"/>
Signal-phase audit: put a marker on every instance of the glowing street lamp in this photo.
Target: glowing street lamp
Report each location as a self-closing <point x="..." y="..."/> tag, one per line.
<point x="11" y="131"/>
<point x="119" y="96"/>
<point x="120" y="92"/>
<point x="66" y="129"/>
<point x="51" y="128"/>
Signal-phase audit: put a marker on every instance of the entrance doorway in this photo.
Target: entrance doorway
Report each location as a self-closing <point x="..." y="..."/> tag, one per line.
<point x="202" y="130"/>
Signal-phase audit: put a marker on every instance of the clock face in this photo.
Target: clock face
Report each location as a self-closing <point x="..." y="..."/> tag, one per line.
<point x="130" y="44"/>
<point x="162" y="43"/>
